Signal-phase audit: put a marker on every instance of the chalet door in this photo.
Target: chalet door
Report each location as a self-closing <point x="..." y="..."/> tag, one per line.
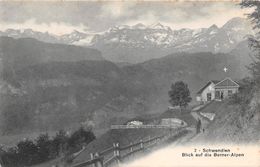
<point x="208" y="96"/>
<point x="230" y="92"/>
<point x="221" y="95"/>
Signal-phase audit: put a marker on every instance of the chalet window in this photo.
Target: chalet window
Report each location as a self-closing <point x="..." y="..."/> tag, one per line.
<point x="208" y="96"/>
<point x="230" y="92"/>
<point x="217" y="95"/>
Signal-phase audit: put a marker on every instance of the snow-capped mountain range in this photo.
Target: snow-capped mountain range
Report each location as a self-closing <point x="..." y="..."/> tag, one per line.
<point x="140" y="42"/>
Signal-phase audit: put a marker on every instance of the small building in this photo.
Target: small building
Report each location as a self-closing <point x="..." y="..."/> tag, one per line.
<point x="135" y="122"/>
<point x="217" y="90"/>
<point x="173" y="108"/>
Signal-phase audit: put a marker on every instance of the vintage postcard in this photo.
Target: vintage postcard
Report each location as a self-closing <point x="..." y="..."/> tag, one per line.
<point x="130" y="83"/>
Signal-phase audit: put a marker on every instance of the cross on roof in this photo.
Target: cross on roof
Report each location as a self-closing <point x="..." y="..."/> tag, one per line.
<point x="225" y="69"/>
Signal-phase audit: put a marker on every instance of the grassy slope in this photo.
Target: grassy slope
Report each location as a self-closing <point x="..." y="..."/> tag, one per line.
<point x="211" y="107"/>
<point x="231" y="124"/>
<point x="122" y="136"/>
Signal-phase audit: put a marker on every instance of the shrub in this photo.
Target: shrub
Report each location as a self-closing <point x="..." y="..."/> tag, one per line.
<point x="79" y="137"/>
<point x="43" y="144"/>
<point x="245" y="92"/>
<point x="10" y="157"/>
<point x="28" y="152"/>
<point x="59" y="143"/>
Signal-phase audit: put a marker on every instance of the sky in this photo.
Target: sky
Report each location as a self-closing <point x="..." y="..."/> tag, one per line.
<point x="63" y="17"/>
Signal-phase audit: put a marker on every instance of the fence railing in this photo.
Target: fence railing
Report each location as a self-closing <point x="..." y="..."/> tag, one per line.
<point x="115" y="154"/>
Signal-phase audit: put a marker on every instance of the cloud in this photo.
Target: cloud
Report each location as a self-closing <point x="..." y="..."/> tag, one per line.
<point x="57" y="28"/>
<point x="146" y="19"/>
<point x="63" y="17"/>
<point x="116" y="9"/>
<point x="190" y="15"/>
<point x="217" y="13"/>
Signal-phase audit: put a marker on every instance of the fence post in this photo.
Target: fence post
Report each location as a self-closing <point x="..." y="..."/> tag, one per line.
<point x="116" y="152"/>
<point x="118" y="149"/>
<point x="141" y="144"/>
<point x="92" y="157"/>
<point x="149" y="138"/>
<point x="131" y="148"/>
<point x="99" y="162"/>
<point x="158" y="140"/>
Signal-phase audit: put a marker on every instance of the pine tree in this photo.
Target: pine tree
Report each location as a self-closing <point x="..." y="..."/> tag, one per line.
<point x="254" y="42"/>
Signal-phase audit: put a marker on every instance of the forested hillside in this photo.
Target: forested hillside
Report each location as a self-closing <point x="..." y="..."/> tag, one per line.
<point x="54" y="91"/>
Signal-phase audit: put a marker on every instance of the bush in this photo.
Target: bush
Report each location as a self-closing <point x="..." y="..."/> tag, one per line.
<point x="10" y="157"/>
<point x="245" y="92"/>
<point x="28" y="152"/>
<point x="44" y="147"/>
<point x="79" y="137"/>
<point x="59" y="143"/>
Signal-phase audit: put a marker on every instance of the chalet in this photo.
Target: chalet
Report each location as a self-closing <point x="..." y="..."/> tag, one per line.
<point x="217" y="90"/>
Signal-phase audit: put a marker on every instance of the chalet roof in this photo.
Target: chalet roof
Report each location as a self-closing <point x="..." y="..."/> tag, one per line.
<point x="212" y="81"/>
<point x="227" y="82"/>
<point x="215" y="81"/>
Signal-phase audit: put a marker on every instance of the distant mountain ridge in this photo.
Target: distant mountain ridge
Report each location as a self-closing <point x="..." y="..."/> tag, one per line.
<point x="139" y="42"/>
<point x="30" y="51"/>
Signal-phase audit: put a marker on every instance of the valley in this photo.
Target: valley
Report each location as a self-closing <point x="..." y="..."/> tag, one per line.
<point x="56" y="91"/>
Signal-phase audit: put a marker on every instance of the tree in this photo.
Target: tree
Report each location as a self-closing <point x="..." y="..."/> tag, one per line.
<point x="254" y="42"/>
<point x="59" y="143"/>
<point x="27" y="152"/>
<point x="79" y="137"/>
<point x="179" y="94"/>
<point x="43" y="144"/>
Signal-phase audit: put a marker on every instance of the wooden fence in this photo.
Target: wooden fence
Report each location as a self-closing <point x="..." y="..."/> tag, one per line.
<point x="115" y="154"/>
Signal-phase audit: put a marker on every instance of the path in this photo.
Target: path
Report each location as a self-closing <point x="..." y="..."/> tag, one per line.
<point x="171" y="155"/>
<point x="164" y="154"/>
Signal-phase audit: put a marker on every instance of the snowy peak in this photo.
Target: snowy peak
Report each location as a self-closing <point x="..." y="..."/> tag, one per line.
<point x="157" y="37"/>
<point x="74" y="35"/>
<point x="213" y="27"/>
<point x="239" y="25"/>
<point x="156" y="26"/>
<point x="159" y="26"/>
<point x="28" y="31"/>
<point x="139" y="26"/>
<point x="236" y="22"/>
